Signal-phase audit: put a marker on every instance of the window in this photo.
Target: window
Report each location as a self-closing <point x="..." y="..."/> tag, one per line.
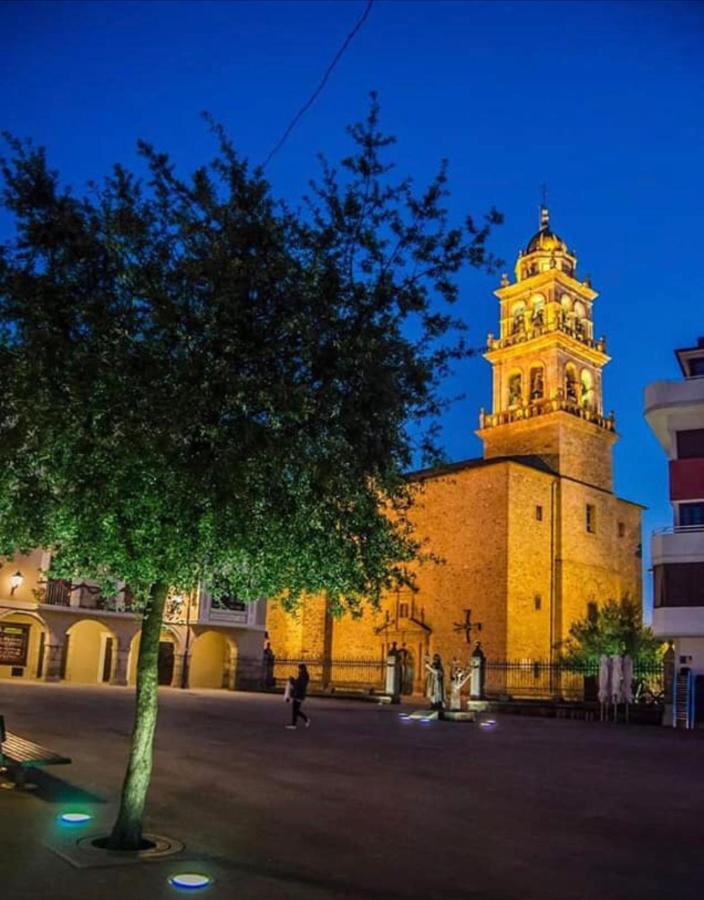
<point x="515" y="391"/>
<point x="592" y="611"/>
<point x="691" y="515"/>
<point x="539" y="513"/>
<point x="230" y="603"/>
<point x="679" y="584"/>
<point x="621" y="529"/>
<point x="690" y="444"/>
<point x="696" y="367"/>
<point x="591" y="518"/>
<point x="537" y="388"/>
<point x="403" y="610"/>
<point x="537" y="601"/>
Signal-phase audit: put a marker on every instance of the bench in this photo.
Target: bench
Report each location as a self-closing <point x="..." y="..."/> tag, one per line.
<point x="18" y="754"/>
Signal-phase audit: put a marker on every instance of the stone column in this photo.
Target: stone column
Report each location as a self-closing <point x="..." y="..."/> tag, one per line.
<point x="179" y="662"/>
<point x="53" y="653"/>
<point x="120" y="660"/>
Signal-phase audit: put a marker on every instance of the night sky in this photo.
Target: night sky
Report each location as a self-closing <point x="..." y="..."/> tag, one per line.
<point x="601" y="101"/>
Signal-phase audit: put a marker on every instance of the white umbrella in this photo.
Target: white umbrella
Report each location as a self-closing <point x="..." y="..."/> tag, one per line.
<point x="627" y="690"/>
<point x="616" y="679"/>
<point x="604" y="679"/>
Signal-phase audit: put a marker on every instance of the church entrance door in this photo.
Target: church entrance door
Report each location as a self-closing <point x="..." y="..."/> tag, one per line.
<point x="407" y="671"/>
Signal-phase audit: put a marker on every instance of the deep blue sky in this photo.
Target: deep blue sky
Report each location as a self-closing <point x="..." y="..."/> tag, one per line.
<point x="603" y="101"/>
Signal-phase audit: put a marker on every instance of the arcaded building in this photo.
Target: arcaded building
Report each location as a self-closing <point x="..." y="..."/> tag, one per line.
<point x="531" y="536"/>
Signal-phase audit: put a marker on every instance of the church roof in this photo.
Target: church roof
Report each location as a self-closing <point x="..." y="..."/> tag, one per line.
<point x="530" y="461"/>
<point x="533" y="462"/>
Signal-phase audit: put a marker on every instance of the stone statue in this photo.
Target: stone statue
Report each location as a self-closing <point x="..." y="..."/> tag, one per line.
<point x="435" y="683"/>
<point x="268" y="660"/>
<point x="459" y="676"/>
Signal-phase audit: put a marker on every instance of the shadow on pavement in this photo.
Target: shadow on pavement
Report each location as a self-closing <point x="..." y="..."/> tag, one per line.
<point x="51" y="789"/>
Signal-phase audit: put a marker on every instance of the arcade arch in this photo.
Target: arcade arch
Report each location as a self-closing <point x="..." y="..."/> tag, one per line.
<point x="88" y="650"/>
<point x="25" y="638"/>
<point x="213" y="661"/>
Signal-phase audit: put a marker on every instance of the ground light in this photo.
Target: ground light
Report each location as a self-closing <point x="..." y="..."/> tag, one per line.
<point x="190" y="881"/>
<point x="489" y="723"/>
<point x="74" y="818"/>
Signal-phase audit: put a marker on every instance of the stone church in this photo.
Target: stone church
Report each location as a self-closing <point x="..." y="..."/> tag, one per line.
<point x="531" y="536"/>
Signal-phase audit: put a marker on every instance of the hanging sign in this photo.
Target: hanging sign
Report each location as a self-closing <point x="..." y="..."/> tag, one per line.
<point x="14" y="641"/>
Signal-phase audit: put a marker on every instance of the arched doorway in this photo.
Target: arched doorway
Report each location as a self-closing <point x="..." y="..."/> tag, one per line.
<point x="88" y="652"/>
<point x="168" y="648"/>
<point x="210" y="665"/>
<point x="23" y="640"/>
<point x="407" y="670"/>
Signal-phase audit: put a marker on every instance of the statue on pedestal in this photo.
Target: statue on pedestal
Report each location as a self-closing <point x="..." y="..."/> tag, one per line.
<point x="435" y="683"/>
<point x="459" y="676"/>
<point x="478" y="666"/>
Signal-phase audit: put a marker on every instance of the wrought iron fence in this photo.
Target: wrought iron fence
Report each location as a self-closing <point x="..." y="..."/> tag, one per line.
<point x="503" y="679"/>
<point x="543" y="680"/>
<point x="351" y="674"/>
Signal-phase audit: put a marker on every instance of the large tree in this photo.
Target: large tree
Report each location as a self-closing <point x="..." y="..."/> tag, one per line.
<point x="616" y="627"/>
<point x="201" y="386"/>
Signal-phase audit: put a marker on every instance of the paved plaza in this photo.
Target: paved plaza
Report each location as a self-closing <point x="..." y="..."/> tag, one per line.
<point x="362" y="804"/>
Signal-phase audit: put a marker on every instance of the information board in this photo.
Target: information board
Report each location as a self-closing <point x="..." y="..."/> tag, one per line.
<point x="14" y="641"/>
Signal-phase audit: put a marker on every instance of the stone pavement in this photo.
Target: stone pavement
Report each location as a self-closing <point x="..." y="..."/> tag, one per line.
<point x="361" y="805"/>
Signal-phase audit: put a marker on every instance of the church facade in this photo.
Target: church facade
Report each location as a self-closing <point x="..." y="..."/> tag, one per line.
<point x="530" y="536"/>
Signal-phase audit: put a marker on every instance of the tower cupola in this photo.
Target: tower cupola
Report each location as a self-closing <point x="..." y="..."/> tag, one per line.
<point x="544" y="251"/>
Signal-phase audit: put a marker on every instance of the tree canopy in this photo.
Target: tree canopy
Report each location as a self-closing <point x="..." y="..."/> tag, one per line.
<point x="200" y="385"/>
<point x="616" y="628"/>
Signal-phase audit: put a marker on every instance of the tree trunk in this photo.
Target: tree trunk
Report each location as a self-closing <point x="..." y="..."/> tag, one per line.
<point x="127" y="830"/>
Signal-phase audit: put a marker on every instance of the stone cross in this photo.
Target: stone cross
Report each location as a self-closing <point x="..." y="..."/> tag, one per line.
<point x="468" y="626"/>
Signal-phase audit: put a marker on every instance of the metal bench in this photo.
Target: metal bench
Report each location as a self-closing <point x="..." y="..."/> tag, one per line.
<point x="18" y="754"/>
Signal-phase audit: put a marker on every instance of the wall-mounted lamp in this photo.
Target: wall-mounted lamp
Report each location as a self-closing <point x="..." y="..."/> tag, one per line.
<point x="16" y="581"/>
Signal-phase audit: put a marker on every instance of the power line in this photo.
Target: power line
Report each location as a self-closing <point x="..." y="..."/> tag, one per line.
<point x="316" y="93"/>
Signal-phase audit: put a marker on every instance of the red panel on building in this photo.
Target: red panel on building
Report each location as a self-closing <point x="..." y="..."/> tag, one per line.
<point x="686" y="479"/>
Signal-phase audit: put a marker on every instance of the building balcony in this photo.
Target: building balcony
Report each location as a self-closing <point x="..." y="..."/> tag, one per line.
<point x="197" y="610"/>
<point x="544" y="406"/>
<point x="678" y="621"/>
<point x="232" y="613"/>
<point x="680" y="544"/>
<point x="83" y="596"/>
<point x="538" y="330"/>
<point x="670" y="405"/>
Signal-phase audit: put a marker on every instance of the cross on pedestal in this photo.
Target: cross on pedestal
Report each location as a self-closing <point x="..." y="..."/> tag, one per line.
<point x="468" y="626"/>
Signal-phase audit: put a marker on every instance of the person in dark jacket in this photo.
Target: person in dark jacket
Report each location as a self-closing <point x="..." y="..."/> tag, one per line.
<point x="300" y="687"/>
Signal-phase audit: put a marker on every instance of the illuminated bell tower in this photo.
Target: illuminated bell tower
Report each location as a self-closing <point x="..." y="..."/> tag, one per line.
<point x="547" y="398"/>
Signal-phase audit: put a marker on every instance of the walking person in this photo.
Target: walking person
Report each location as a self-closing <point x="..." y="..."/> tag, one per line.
<point x="298" y="695"/>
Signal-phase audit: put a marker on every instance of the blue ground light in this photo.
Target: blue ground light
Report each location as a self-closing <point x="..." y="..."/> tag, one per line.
<point x="190" y="881"/>
<point x="74" y="818"/>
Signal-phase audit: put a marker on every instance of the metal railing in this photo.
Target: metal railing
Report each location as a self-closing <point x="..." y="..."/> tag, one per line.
<point x="60" y="592"/>
<point x="351" y="674"/>
<point x="503" y="679"/>
<point x="571" y="682"/>
<point x="533" y="331"/>
<point x="678" y="529"/>
<point x="544" y="406"/>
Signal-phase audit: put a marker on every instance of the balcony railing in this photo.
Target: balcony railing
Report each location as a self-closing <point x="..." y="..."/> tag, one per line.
<point x="58" y="592"/>
<point x="678" y="529"/>
<point x="534" y="331"/>
<point x="544" y="406"/>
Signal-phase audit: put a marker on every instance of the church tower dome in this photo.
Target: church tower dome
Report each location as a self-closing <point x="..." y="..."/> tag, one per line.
<point x="547" y="365"/>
